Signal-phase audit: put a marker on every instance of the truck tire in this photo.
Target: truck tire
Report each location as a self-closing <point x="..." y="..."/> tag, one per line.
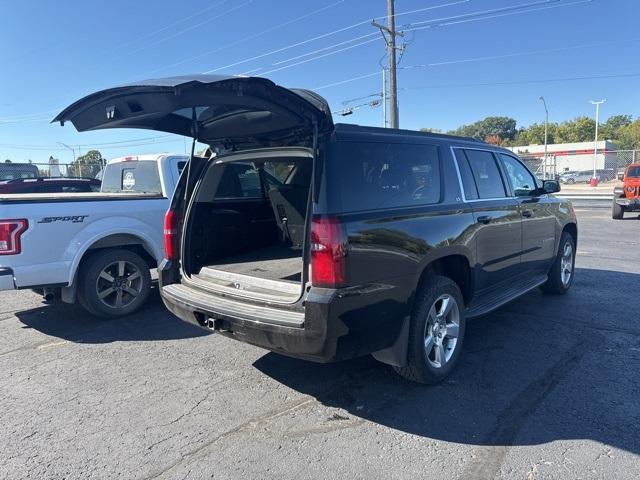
<point x="560" y="275"/>
<point x="114" y="283"/>
<point x="436" y="331"/>
<point x="617" y="211"/>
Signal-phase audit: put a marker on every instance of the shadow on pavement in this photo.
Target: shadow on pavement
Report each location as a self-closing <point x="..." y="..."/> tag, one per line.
<point x="540" y="369"/>
<point x="70" y="322"/>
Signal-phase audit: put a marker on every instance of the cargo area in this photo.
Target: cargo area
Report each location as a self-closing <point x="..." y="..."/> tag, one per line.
<point x="246" y="226"/>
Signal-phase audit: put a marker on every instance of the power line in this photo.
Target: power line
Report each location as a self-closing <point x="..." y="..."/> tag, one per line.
<point x="490" y="14"/>
<point x="445" y="21"/>
<point x="522" y="82"/>
<point x="250" y="37"/>
<point x="172" y="24"/>
<point x="191" y="27"/>
<point x="325" y="35"/>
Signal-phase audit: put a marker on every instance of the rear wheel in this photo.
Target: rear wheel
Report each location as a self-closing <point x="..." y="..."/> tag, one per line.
<point x="436" y="331"/>
<point x="617" y="211"/>
<point x="570" y="181"/>
<point x="114" y="283"/>
<point x="561" y="272"/>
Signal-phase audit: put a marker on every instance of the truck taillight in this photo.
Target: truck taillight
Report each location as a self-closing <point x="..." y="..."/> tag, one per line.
<point x="328" y="249"/>
<point x="171" y="219"/>
<point x="10" y="233"/>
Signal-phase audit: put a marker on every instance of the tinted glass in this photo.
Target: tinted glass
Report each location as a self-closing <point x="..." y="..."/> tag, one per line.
<point x="522" y="181"/>
<point x="382" y="175"/>
<point x="468" y="183"/>
<point x="239" y="180"/>
<point x="633" y="172"/>
<point x="486" y="174"/>
<point x="136" y="176"/>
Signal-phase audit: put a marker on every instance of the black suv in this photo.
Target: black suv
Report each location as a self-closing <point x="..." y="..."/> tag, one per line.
<point x="328" y="242"/>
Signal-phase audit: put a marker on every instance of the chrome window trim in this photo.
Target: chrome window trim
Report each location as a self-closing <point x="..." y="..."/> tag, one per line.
<point x="455" y="161"/>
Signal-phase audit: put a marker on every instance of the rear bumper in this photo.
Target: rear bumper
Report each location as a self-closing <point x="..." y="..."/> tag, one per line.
<point x="327" y="325"/>
<point x="6" y="279"/>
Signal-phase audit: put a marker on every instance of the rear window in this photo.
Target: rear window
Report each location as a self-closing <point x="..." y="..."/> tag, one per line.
<point x="385" y="175"/>
<point x="132" y="177"/>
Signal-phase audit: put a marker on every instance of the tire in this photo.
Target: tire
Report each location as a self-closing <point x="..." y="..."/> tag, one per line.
<point x="424" y="357"/>
<point x="617" y="211"/>
<point x="570" y="181"/>
<point x="561" y="272"/>
<point x="114" y="283"/>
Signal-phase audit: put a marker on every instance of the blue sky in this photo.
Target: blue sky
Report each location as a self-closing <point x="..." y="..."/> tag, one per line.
<point x="53" y="53"/>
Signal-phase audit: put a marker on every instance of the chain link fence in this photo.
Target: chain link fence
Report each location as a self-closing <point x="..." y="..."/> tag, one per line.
<point x="609" y="168"/>
<point x="14" y="170"/>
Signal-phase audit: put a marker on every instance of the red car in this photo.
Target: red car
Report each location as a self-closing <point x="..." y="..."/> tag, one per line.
<point x="626" y="197"/>
<point x="50" y="185"/>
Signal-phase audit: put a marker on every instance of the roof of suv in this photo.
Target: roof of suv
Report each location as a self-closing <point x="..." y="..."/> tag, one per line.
<point x="346" y="130"/>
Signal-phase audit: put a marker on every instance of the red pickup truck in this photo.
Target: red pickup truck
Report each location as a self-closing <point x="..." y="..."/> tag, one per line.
<point x="626" y="197"/>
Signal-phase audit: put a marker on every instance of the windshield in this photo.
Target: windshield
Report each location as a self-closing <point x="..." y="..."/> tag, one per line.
<point x="634" y="171"/>
<point x="132" y="177"/>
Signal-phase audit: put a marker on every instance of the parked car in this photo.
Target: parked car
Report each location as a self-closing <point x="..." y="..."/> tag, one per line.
<point x="50" y="185"/>
<point x="373" y="241"/>
<point x="95" y="248"/>
<point x="11" y="171"/>
<point x="583" y="176"/>
<point x="626" y="197"/>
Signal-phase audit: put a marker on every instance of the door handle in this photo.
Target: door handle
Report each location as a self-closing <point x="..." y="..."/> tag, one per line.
<point x="527" y="213"/>
<point x="484" y="219"/>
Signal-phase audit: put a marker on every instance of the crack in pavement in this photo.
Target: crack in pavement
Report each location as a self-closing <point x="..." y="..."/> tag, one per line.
<point x="510" y="421"/>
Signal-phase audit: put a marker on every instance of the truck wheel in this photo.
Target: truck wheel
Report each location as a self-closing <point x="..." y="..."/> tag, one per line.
<point x="436" y="331"/>
<point x="561" y="272"/>
<point x="617" y="211"/>
<point x="114" y="283"/>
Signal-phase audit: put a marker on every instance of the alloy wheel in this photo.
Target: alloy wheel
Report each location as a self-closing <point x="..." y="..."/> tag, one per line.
<point x="119" y="284"/>
<point x="441" y="331"/>
<point x="566" y="264"/>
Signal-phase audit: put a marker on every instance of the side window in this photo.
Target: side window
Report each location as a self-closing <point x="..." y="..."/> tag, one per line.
<point x="522" y="181"/>
<point x="468" y="183"/>
<point x="385" y="175"/>
<point x="239" y="180"/>
<point x="486" y="174"/>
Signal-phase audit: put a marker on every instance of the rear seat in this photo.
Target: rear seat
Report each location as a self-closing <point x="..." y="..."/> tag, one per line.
<point x="289" y="203"/>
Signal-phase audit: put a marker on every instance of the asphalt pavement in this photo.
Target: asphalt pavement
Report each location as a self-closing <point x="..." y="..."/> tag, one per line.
<point x="547" y="387"/>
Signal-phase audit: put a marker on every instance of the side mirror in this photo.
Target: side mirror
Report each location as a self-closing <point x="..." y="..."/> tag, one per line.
<point x="550" y="186"/>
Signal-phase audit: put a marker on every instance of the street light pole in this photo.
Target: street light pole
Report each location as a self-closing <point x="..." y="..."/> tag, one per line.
<point x="595" y="142"/>
<point x="546" y="126"/>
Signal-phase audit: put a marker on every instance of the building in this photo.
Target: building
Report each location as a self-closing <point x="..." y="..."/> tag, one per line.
<point x="569" y="157"/>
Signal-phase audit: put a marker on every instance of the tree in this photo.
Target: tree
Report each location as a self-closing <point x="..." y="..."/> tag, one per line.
<point x="431" y="130"/>
<point x="629" y="136"/>
<point x="87" y="165"/>
<point x="534" y="134"/>
<point x="610" y="130"/>
<point x="503" y="127"/>
<point x="581" y="129"/>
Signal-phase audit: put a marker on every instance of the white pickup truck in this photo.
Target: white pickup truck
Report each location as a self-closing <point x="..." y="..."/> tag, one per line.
<point x="96" y="248"/>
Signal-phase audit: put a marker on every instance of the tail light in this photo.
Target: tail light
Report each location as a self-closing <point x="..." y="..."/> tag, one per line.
<point x="171" y="219"/>
<point x="10" y="233"/>
<point x="328" y="249"/>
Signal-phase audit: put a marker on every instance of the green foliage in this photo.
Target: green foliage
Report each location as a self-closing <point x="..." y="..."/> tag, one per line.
<point x="431" y="130"/>
<point x="628" y="137"/>
<point x="503" y="127"/>
<point x="87" y="165"/>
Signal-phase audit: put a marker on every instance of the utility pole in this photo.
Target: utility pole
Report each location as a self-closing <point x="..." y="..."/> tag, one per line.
<point x="390" y="40"/>
<point x="594" y="179"/>
<point x="546" y="126"/>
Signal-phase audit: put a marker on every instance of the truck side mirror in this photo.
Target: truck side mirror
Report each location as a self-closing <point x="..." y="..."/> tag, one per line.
<point x="550" y="186"/>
